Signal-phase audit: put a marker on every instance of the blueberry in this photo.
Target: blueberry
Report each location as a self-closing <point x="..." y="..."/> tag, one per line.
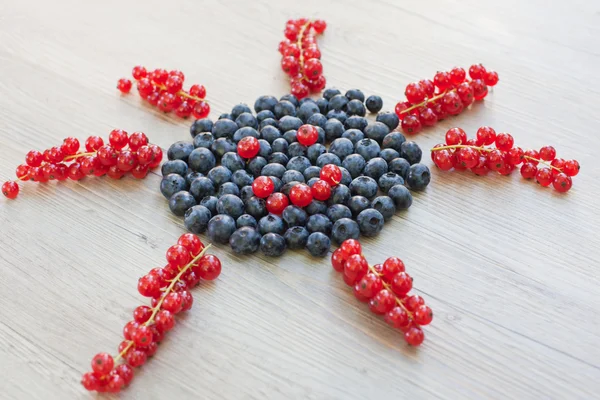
<point x="388" y="180"/>
<point x="418" y="177"/>
<point x="377" y="131"/>
<point x="356" y="122"/>
<point x="279" y="145"/>
<point x="204" y="139"/>
<point x="191" y="175"/>
<point x="370" y="222"/>
<point x="224" y="128"/>
<point x="317" y="119"/>
<point x="294" y="216"/>
<point x="246" y="192"/>
<point x="291" y="137"/>
<point x="333" y="129"/>
<point x="225" y="116"/>
<point x="399" y="166"/>
<point x="305" y="100"/>
<point x="355" y="94"/>
<point x="246" y="119"/>
<point x="231" y="205"/>
<point x="289" y="123"/>
<point x="284" y="108"/>
<point x="220" y="228"/>
<point x="271" y="224"/>
<point x="367" y="148"/>
<point x="291" y="98"/>
<point x="338" y="211"/>
<point x="292" y="175"/>
<point x="245" y="240"/>
<point x="228" y="188"/>
<point x="355" y="164"/>
<point x="180" y="202"/>
<point x="338" y="102"/>
<point x="316" y="207"/>
<point x="239" y="109"/>
<point x="222" y="146"/>
<point x="202" y="187"/>
<point x="180" y="151"/>
<point x="201" y="160"/>
<point x="265" y="103"/>
<point x="319" y="223"/>
<point x="246" y="220"/>
<point x="298" y="163"/>
<point x="278" y="158"/>
<point x="268" y="122"/>
<point x="411" y="152"/>
<point x="232" y="161"/>
<point x="330" y="92"/>
<point x="344" y="229"/>
<point x="315" y="151"/>
<point x="266" y="114"/>
<point x="355" y="107"/>
<point x="375" y="168"/>
<point x="210" y="202"/>
<point x="273" y="169"/>
<point x="277" y="182"/>
<point x="389" y="118"/>
<point x="287" y="188"/>
<point x="312" y="172"/>
<point x="307" y="110"/>
<point x="296" y="150"/>
<point x="318" y="244"/>
<point x="245" y="132"/>
<point x="363" y="186"/>
<point x="312" y="181"/>
<point x="171" y="184"/>
<point x="374" y="104"/>
<point x="196" y="219"/>
<point x="296" y="237"/>
<point x="385" y="205"/>
<point x="200" y="126"/>
<point x="265" y="149"/>
<point x="328" y="158"/>
<point x="346" y="177"/>
<point x="270" y="133"/>
<point x="272" y="245"/>
<point x="354" y="135"/>
<point x="323" y="105"/>
<point x="358" y="204"/>
<point x="340" y="194"/>
<point x="388" y="154"/>
<point x="342" y="148"/>
<point x="337" y="114"/>
<point x="219" y="175"/>
<point x="401" y="196"/>
<point x="256" y="207"/>
<point x="178" y="167"/>
<point x="256" y="165"/>
<point x="394" y="141"/>
<point x="321" y="135"/>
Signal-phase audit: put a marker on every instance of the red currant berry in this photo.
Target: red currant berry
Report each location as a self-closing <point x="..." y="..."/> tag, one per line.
<point x="382" y="302"/>
<point x="443" y="159"/>
<point x="173" y="302"/>
<point x="411" y="124"/>
<point x="457" y="75"/>
<point x="164" y="320"/>
<point x="126" y="161"/>
<point x="321" y="190"/>
<point x="414" y="336"/>
<point x="178" y="256"/>
<point x="290" y="65"/>
<point x="514" y="156"/>
<point x="481" y="168"/>
<point x="415" y="93"/>
<point x="102" y="364"/>
<point x="313" y="68"/>
<point x="504" y="141"/>
<point x="145" y="88"/>
<point x="128" y="331"/>
<point x="209" y="267"/>
<point x="319" y="25"/>
<point x="191" y="242"/>
<point x="452" y="104"/>
<point x="184" y="110"/>
<point x="139" y="72"/>
<point x="358" y="294"/>
<point x="400" y="109"/>
<point x="331" y="173"/>
<point x="198" y="91"/>
<point x="276" y="202"/>
<point x="262" y="187"/>
<point x="477" y="71"/>
<point x="559" y="165"/>
<point x="159" y="76"/>
<point x="495" y="160"/>
<point x="136" y="358"/>
<point x="401" y="283"/>
<point x="350" y="247"/>
<point x="124" y="85"/>
<point x="22" y="172"/>
<point x="486" y="136"/>
<point x="423" y="315"/>
<point x="117" y="138"/>
<point x="174" y="84"/>
<point x="571" y="168"/>
<point x="562" y="182"/>
<point x="543" y="176"/>
<point x="248" y="147"/>
<point x="528" y="170"/>
<point x="125" y="372"/>
<point x="301" y="195"/>
<point x="311" y="52"/>
<point x="428" y="86"/>
<point x="442" y="81"/>
<point x="34" y="158"/>
<point x="338" y="259"/>
<point x="188" y="300"/>
<point x="397" y="317"/>
<point x="356" y="267"/>
<point x="370" y="285"/>
<point x="532" y="156"/>
<point x="149" y="286"/>
<point x="465" y="93"/>
<point x="291" y="32"/>
<point x="10" y="189"/>
<point x="158" y="155"/>
<point x="90" y="381"/>
<point x="145" y="155"/>
<point x="89" y="165"/>
<point x="391" y="267"/>
<point x="479" y="89"/>
<point x="299" y="90"/>
<point x="456" y="136"/>
<point x="142" y="336"/>
<point x="307" y="135"/>
<point x="137" y="140"/>
<point x="491" y="78"/>
<point x="74" y="172"/>
<point x="413" y="302"/>
<point x="93" y="143"/>
<point x="201" y="110"/>
<point x="107" y="155"/>
<point x="142" y="314"/>
<point x="547" y="153"/>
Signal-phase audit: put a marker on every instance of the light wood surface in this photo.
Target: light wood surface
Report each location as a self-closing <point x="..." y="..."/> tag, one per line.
<point x="509" y="268"/>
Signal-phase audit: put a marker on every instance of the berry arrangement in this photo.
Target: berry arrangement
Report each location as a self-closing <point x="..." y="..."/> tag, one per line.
<point x="164" y="90"/>
<point x="267" y="180"/>
<point x="301" y="57"/>
<point x="428" y="102"/>
<point x="461" y="153"/>
<point x="386" y="288"/>
<point x="124" y="153"/>
<point x="169" y="288"/>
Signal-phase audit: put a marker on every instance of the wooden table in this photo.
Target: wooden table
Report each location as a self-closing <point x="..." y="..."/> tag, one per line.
<point x="509" y="268"/>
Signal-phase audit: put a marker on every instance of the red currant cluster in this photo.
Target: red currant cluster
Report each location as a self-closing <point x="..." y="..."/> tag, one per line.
<point x="66" y="162"/>
<point x="169" y="289"/>
<point x="386" y="288"/>
<point x="301" y="56"/>
<point x="428" y="102"/>
<point x="165" y="90"/>
<point x="462" y="153"/>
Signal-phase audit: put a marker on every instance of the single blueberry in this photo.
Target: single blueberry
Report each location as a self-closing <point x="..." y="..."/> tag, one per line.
<point x="370" y="222"/>
<point x="342" y="148"/>
<point x="202" y="187"/>
<point x="320" y="135"/>
<point x="222" y="146"/>
<point x="232" y="161"/>
<point x="290" y="137"/>
<point x="401" y="196"/>
<point x="283" y="108"/>
<point x="289" y="123"/>
<point x="399" y="166"/>
<point x="316" y="207"/>
<point x="180" y="202"/>
<point x="272" y="245"/>
<point x="246" y="119"/>
<point x="196" y="219"/>
<point x="231" y="205"/>
<point x="225" y="116"/>
<point x="340" y="194"/>
<point x="355" y="107"/>
<point x="337" y="102"/>
<point x="338" y="211"/>
<point x="411" y="152"/>
<point x="330" y="92"/>
<point x="296" y="150"/>
<point x="319" y="223"/>
<point x="287" y="188"/>
<point x="204" y="139"/>
<point x="241" y="178"/>
<point x="305" y="100"/>
<point x="245" y="132"/>
<point x="344" y="229"/>
<point x="388" y="154"/>
<point x="318" y="244"/>
<point x="355" y="164"/>
<point x="292" y="175"/>
<point x="246" y="192"/>
<point x="323" y="105"/>
<point x="273" y="169"/>
<point x="224" y="128"/>
<point x="256" y="207"/>
<point x="291" y="98"/>
<point x="200" y="126"/>
<point x="219" y="175"/>
<point x="393" y="140"/>
<point x="180" y="151"/>
<point x="363" y="186"/>
<point x="191" y="175"/>
<point x="367" y="148"/>
<point x="354" y="135"/>
<point x="356" y="122"/>
<point x="333" y="129"/>
<point x="374" y="104"/>
<point x="245" y="240"/>
<point x="268" y="122"/>
<point x="355" y="94"/>
<point x="377" y="131"/>
<point x="294" y="216"/>
<point x="271" y="224"/>
<point x="317" y="119"/>
<point x="270" y="133"/>
<point x="279" y="145"/>
<point x="277" y="182"/>
<point x="210" y="202"/>
<point x="385" y="205"/>
<point x="346" y="177"/>
<point x="264" y="103"/>
<point x="171" y="184"/>
<point x="315" y="151"/>
<point x="178" y="167"/>
<point x="220" y="228"/>
<point x="296" y="237"/>
<point x="246" y="220"/>
<point x="312" y="181"/>
<point x="201" y="160"/>
<point x="358" y="204"/>
<point x="256" y="165"/>
<point x="418" y="177"/>
<point x="389" y="118"/>
<point x="312" y="172"/>
<point x="278" y="158"/>
<point x="298" y="163"/>
<point x="266" y="114"/>
<point x="386" y="181"/>
<point x="328" y="158"/>
<point x="375" y="168"/>
<point x="239" y="109"/>
<point x="307" y="110"/>
<point x="265" y="149"/>
<point x="228" y="188"/>
<point x="337" y="114"/>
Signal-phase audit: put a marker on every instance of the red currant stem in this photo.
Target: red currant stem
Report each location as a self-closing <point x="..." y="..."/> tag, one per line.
<point x="299" y="44"/>
<point x="91" y="153"/>
<point x="461" y="146"/>
<point x="542" y="162"/>
<point x="156" y="308"/>
<point x="424" y="102"/>
<point x="389" y="289"/>
<point x="181" y="93"/>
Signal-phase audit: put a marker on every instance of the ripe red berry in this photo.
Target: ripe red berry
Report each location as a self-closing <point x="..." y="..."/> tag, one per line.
<point x="142" y="314"/>
<point x="276" y="202"/>
<point x="124" y="85"/>
<point x="10" y="189"/>
<point x="93" y="143"/>
<point x="198" y="91"/>
<point x="139" y="72"/>
<point x="443" y="159"/>
<point x="164" y="320"/>
<point x="414" y="336"/>
<point x="571" y="168"/>
<point x="191" y="242"/>
<point x="142" y="336"/>
<point x="313" y="68"/>
<point x="456" y="136"/>
<point x="173" y="302"/>
<point x="338" y="259"/>
<point x="477" y="71"/>
<point x="107" y="155"/>
<point x="262" y="187"/>
<point x="102" y="364"/>
<point x="397" y="317"/>
<point x="547" y="153"/>
<point x="125" y="372"/>
<point x="321" y="190"/>
<point x="427" y="117"/>
<point x="451" y="103"/>
<point x="307" y="135"/>
<point x="504" y="141"/>
<point x="528" y="170"/>
<point x="301" y="195"/>
<point x="174" y="84"/>
<point x="411" y="124"/>
<point x="514" y="156"/>
<point x="136" y="358"/>
<point x="248" y="147"/>
<point x="543" y="176"/>
<point x="351" y="247"/>
<point x="369" y="285"/>
<point x="486" y="136"/>
<point x="90" y="381"/>
<point x="290" y="65"/>
<point x="178" y="256"/>
<point x="382" y="302"/>
<point x="137" y="140"/>
<point x="34" y="158"/>
<point x="319" y="25"/>
<point x="391" y="267"/>
<point x="415" y="93"/>
<point x="442" y="81"/>
<point x="480" y="90"/>
<point x="118" y="139"/>
<point x="466" y="94"/>
<point x="401" y="283"/>
<point x="413" y="302"/>
<point x="457" y="75"/>
<point x="491" y="78"/>
<point x="562" y="182"/>
<point x="423" y="315"/>
<point x="356" y="267"/>
<point x="331" y="173"/>
<point x="149" y="286"/>
<point x="209" y="267"/>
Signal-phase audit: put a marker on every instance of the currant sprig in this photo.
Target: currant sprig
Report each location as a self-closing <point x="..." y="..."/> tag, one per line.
<point x="165" y="90"/>
<point x="301" y="56"/>
<point x="169" y="288"/>
<point x="461" y="153"/>
<point x="428" y="102"/>
<point x="386" y="288"/>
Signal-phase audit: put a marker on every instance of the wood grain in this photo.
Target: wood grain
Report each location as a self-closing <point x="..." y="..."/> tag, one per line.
<point x="510" y="269"/>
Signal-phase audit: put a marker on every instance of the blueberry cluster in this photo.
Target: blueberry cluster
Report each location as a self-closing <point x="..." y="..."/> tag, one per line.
<point x="208" y="183"/>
